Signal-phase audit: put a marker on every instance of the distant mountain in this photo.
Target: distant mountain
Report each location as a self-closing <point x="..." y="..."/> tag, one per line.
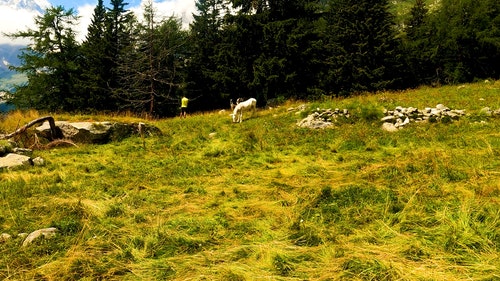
<point x="31" y="5"/>
<point x="8" y="56"/>
<point x="8" y="78"/>
<point x="8" y="52"/>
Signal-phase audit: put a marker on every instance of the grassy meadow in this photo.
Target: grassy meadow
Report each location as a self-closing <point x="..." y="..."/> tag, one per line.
<point x="265" y="199"/>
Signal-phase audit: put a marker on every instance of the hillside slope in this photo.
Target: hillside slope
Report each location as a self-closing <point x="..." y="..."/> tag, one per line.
<point x="267" y="200"/>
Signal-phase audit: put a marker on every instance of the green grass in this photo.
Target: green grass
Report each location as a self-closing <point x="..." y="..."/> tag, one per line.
<point x="267" y="200"/>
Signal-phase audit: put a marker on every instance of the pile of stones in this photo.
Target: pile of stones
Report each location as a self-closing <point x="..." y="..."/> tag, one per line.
<point x="323" y="118"/>
<point x="402" y="116"/>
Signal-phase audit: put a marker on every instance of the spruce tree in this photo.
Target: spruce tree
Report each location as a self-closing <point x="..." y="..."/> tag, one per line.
<point x="96" y="63"/>
<point x="240" y="46"/>
<point x="206" y="43"/>
<point x="119" y="39"/>
<point x="282" y="47"/>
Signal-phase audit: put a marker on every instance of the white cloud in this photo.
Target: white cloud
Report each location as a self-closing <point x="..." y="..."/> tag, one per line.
<point x="178" y="8"/>
<point x="85" y="13"/>
<point x="12" y="20"/>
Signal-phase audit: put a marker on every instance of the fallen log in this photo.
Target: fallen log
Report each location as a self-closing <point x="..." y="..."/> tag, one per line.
<point x="52" y="123"/>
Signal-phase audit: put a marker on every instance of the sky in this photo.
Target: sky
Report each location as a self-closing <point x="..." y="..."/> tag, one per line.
<point x="12" y="21"/>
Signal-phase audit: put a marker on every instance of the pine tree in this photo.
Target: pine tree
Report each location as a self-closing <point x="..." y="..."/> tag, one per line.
<point x="281" y="44"/>
<point x="206" y="43"/>
<point x="50" y="63"/>
<point x="363" y="46"/>
<point x="240" y="46"/>
<point x="151" y="73"/>
<point x="119" y="40"/>
<point x="417" y="20"/>
<point x="417" y="46"/>
<point x="466" y="40"/>
<point x="96" y="63"/>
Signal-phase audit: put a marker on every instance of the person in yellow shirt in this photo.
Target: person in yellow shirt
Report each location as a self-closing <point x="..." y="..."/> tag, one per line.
<point x="184" y="105"/>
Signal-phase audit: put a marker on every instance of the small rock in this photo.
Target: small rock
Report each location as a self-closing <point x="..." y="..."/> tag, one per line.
<point x="486" y="111"/>
<point x="38" y="161"/>
<point x="389" y="127"/>
<point x="441" y="107"/>
<point x="45" y="232"/>
<point x="4" y="237"/>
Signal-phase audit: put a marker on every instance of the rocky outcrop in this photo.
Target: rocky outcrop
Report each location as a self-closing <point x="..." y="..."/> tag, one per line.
<point x="97" y="132"/>
<point x="393" y="120"/>
<point x="61" y="132"/>
<point x="13" y="160"/>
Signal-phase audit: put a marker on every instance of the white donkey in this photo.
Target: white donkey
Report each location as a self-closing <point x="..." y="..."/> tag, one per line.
<point x="250" y="104"/>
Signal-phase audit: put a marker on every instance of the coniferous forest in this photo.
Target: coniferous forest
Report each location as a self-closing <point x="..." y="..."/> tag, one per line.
<point x="272" y="50"/>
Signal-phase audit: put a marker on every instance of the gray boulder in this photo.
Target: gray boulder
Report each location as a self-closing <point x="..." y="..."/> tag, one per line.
<point x="12" y="160"/>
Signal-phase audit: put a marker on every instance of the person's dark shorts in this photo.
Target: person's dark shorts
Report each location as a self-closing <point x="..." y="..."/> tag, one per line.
<point x="183" y="109"/>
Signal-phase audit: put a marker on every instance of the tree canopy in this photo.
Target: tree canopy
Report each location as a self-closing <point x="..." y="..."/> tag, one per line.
<point x="268" y="49"/>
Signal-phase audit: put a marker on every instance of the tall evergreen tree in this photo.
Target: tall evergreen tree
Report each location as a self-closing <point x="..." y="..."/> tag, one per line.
<point x="418" y="16"/>
<point x="364" y="49"/>
<point x="280" y="39"/>
<point x="50" y="63"/>
<point x="235" y="54"/>
<point x="119" y="39"/>
<point x="96" y="62"/>
<point x="417" y="47"/>
<point x="205" y="36"/>
<point x="466" y="40"/>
